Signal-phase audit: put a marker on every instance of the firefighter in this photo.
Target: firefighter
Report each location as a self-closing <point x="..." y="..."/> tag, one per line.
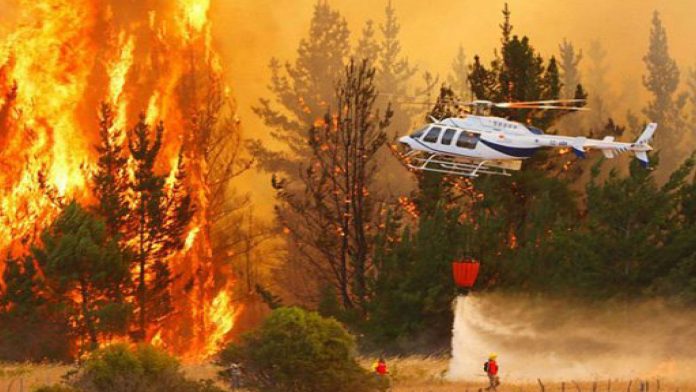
<point x="381" y="367"/>
<point x="381" y="373"/>
<point x="491" y="369"/>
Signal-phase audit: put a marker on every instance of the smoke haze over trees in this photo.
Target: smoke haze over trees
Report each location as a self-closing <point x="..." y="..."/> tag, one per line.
<point x="352" y="233"/>
<point x="521" y="227"/>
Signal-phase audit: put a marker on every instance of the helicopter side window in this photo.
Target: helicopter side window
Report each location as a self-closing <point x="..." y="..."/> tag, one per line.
<point x="447" y="137"/>
<point x="432" y="135"/>
<point x="468" y="139"/>
<point x="419" y="132"/>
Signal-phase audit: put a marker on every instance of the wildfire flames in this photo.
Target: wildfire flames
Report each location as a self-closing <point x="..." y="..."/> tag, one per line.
<point x="61" y="61"/>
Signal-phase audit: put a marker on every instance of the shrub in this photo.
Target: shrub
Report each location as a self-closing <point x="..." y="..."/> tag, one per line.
<point x="299" y="351"/>
<point x="118" y="368"/>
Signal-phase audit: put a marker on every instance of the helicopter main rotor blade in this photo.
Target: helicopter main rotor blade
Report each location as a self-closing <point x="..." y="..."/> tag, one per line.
<point x="547" y="104"/>
<point x="546" y="107"/>
<point x="548" y="101"/>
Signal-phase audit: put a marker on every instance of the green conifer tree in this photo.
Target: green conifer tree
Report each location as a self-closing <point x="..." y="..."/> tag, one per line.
<point x="110" y="179"/>
<point x="85" y="269"/>
<point x="518" y="74"/>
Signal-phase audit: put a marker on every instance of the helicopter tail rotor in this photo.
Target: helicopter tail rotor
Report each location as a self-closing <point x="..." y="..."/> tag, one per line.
<point x="643" y="140"/>
<point x="647" y="134"/>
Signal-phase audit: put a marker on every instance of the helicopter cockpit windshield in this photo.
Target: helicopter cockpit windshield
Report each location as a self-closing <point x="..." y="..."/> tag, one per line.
<point x="418" y="133"/>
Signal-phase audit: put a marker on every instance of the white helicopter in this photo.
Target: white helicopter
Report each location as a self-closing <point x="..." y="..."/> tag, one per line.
<point x="480" y="144"/>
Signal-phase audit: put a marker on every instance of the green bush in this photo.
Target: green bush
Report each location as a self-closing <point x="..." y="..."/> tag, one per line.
<point x="299" y="351"/>
<point x="118" y="368"/>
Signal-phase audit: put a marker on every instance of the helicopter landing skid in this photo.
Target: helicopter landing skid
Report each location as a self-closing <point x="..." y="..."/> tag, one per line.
<point x="446" y="164"/>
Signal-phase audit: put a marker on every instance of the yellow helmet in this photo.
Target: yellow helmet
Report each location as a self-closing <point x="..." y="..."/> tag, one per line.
<point x="493" y="356"/>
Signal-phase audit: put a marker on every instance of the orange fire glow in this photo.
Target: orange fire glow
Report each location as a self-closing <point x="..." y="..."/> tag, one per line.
<point x="62" y="60"/>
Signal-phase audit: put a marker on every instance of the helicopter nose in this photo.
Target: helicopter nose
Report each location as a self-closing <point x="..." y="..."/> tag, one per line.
<point x="404" y="145"/>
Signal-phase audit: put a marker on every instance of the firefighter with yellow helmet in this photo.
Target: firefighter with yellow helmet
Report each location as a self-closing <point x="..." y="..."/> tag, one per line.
<point x="491" y="369"/>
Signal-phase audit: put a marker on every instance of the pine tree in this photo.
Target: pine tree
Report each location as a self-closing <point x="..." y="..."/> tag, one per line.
<point x="482" y="80"/>
<point x="368" y="47"/>
<point x="110" y="179"/>
<point x="458" y="78"/>
<point x="551" y="88"/>
<point x="414" y="290"/>
<point x="678" y="256"/>
<point x="691" y="84"/>
<point x="157" y="222"/>
<point x="303" y="89"/>
<point x="506" y="27"/>
<point x="620" y="244"/>
<point x="85" y="269"/>
<point x="598" y="84"/>
<point x="393" y="79"/>
<point x="519" y="74"/>
<point x="570" y="73"/>
<point x="394" y="71"/>
<point x="662" y="80"/>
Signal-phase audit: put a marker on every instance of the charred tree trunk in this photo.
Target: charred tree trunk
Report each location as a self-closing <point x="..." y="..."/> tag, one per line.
<point x="87" y="313"/>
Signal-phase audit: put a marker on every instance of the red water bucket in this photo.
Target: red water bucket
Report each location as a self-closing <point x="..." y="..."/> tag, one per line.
<point x="465" y="272"/>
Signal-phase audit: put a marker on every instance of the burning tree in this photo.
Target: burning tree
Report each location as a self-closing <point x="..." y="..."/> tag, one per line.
<point x="136" y="58"/>
<point x="157" y="223"/>
<point x="333" y="221"/>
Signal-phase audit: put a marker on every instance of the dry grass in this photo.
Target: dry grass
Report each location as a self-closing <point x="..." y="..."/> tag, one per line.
<point x="27" y="377"/>
<point x="427" y="374"/>
<point x="409" y="374"/>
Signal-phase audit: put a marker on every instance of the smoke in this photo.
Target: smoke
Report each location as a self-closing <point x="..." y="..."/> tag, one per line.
<point x="560" y="341"/>
<point x="248" y="33"/>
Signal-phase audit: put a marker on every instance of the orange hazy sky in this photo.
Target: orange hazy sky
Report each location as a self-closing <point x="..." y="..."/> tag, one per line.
<point x="249" y="32"/>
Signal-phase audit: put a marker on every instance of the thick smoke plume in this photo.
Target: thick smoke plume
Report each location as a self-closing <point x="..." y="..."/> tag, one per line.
<point x="559" y="341"/>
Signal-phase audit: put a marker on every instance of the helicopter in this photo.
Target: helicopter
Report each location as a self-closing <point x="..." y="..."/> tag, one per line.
<point x="478" y="143"/>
